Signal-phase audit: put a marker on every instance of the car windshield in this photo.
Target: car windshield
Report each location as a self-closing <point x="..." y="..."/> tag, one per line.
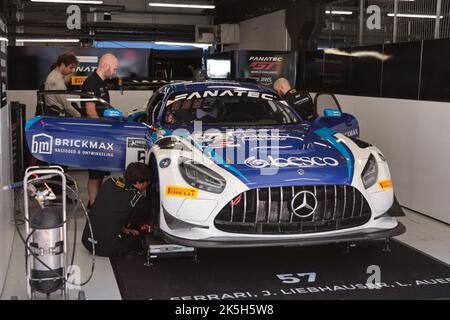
<point x="229" y="107"/>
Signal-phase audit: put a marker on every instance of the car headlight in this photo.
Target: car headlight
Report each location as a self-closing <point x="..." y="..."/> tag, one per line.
<point x="369" y="175"/>
<point x="201" y="177"/>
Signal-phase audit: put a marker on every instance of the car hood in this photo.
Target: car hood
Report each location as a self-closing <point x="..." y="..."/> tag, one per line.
<point x="283" y="156"/>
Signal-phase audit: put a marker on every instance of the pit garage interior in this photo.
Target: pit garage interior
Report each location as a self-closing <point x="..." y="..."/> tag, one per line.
<point x="385" y="62"/>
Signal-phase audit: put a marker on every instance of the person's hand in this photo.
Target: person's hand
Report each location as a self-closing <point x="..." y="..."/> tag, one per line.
<point x="133" y="232"/>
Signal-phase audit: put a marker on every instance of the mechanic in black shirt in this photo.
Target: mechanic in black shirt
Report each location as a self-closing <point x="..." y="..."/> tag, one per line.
<point x="95" y="85"/>
<point x="118" y="213"/>
<point x="301" y="101"/>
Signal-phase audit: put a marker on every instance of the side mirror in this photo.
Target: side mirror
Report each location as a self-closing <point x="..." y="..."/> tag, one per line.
<point x="113" y="114"/>
<point x="332" y="113"/>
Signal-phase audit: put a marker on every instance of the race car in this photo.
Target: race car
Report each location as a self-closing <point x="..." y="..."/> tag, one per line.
<point x="235" y="166"/>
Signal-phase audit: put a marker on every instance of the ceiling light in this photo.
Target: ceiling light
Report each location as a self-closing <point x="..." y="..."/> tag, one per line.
<point x="3" y="39"/>
<point x="339" y="12"/>
<point x="71" y="1"/>
<point x="407" y="15"/>
<point x="48" y="40"/>
<point x="191" y="44"/>
<point x="177" y="5"/>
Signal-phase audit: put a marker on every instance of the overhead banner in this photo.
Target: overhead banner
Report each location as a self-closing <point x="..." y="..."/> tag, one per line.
<point x="37" y="62"/>
<point x="3" y="64"/>
<point x="266" y="66"/>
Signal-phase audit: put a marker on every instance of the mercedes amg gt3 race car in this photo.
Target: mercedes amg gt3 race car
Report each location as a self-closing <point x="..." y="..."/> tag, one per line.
<point x="234" y="165"/>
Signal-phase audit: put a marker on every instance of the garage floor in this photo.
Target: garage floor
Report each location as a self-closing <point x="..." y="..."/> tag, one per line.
<point x="423" y="233"/>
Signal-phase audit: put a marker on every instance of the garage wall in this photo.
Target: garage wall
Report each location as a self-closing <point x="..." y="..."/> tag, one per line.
<point x="6" y="197"/>
<point x="127" y="101"/>
<point x="267" y="32"/>
<point x="414" y="137"/>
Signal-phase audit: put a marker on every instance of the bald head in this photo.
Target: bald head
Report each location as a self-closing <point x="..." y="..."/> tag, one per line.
<point x="107" y="66"/>
<point x="282" y="86"/>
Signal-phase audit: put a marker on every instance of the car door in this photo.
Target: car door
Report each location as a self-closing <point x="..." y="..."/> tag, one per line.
<point x="102" y="144"/>
<point x="329" y="114"/>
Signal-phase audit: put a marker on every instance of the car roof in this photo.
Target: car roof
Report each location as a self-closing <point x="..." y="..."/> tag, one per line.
<point x="217" y="85"/>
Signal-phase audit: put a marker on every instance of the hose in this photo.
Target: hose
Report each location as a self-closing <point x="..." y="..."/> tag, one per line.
<point x="75" y="193"/>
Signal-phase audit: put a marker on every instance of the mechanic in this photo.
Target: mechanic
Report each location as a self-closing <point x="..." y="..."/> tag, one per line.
<point x="95" y="85"/>
<point x="300" y="100"/>
<point x="119" y="212"/>
<point x="65" y="65"/>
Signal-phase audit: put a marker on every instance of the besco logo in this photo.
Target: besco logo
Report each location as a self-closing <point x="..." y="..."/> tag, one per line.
<point x="301" y="162"/>
<point x="42" y="143"/>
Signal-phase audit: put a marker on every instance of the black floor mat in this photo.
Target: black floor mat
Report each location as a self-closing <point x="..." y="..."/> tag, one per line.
<point x="319" y="272"/>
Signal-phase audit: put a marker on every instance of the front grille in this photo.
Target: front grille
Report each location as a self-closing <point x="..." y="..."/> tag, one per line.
<point x="268" y="211"/>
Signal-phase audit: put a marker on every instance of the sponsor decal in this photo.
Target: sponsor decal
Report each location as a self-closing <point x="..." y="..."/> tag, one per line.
<point x="78" y="81"/>
<point x="164" y="163"/>
<point x="87" y="59"/>
<point x="300" y="162"/>
<point x="181" y="192"/>
<point x="302" y="101"/>
<point x="265" y="137"/>
<point x="42" y="144"/>
<point x="86" y="69"/>
<point x="46" y="144"/>
<point x="385" y="184"/>
<point x="215" y="141"/>
<point x="266" y="59"/>
<point x="264" y="63"/>
<point x="137" y="143"/>
<point x="264" y="69"/>
<point x="225" y="93"/>
<point x="352" y="133"/>
<point x="136" y="150"/>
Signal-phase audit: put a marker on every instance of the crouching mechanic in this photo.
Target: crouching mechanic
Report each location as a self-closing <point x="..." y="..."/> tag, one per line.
<point x="118" y="212"/>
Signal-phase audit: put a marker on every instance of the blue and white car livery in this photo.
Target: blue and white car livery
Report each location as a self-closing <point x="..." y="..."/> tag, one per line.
<point x="234" y="165"/>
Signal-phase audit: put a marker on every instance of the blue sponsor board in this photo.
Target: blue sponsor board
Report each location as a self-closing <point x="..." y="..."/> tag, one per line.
<point x="89" y="144"/>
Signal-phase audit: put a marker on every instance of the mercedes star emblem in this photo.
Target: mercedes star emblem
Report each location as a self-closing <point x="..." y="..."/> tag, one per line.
<point x="304" y="204"/>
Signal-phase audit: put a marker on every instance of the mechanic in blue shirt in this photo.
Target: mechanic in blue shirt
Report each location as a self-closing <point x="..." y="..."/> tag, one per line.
<point x="118" y="214"/>
<point x="300" y="100"/>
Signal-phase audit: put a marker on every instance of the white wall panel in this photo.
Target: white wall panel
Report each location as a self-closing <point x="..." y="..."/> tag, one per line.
<point x="267" y="32"/>
<point x="415" y="138"/>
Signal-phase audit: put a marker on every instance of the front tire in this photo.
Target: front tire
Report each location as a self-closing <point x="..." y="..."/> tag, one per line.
<point x="155" y="196"/>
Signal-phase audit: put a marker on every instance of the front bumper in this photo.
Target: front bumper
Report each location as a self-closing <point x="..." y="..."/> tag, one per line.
<point x="221" y="242"/>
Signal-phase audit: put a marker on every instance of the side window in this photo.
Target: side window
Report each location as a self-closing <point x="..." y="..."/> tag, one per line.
<point x="154" y="106"/>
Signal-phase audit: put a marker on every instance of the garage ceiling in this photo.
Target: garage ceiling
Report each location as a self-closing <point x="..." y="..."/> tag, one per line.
<point x="133" y="18"/>
<point x="128" y="19"/>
